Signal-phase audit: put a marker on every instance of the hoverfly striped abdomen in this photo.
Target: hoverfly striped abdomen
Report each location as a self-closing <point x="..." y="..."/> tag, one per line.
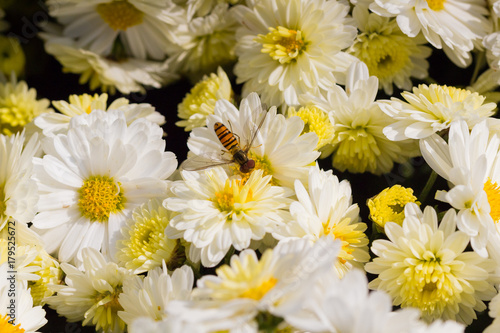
<point x="232" y="144"/>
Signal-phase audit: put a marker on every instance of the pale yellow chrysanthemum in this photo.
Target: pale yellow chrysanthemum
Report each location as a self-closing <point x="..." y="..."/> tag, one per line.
<point x="211" y="43"/>
<point x="390" y="55"/>
<point x="49" y="273"/>
<point x="430" y="109"/>
<point x="12" y="57"/>
<point x="359" y="142"/>
<point x="19" y="106"/>
<point x="200" y="101"/>
<point x="92" y="295"/>
<point x="424" y="265"/>
<point x="144" y="245"/>
<point x="388" y="205"/>
<point x="317" y="121"/>
<point x="56" y="123"/>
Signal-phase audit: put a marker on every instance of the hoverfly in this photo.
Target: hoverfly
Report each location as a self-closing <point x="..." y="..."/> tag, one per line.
<point x="235" y="151"/>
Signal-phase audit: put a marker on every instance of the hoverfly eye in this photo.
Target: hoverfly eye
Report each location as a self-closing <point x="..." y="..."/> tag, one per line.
<point x="247" y="166"/>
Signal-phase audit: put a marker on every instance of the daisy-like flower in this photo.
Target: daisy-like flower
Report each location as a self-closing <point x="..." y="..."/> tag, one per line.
<point x="217" y="212"/>
<point x="211" y="43"/>
<point x="424" y="265"/>
<point x="125" y="74"/>
<point x="279" y="148"/>
<point x="144" y="244"/>
<point x="275" y="284"/>
<point x="430" y="109"/>
<point x="92" y="295"/>
<point x="49" y="273"/>
<point x="55" y="123"/>
<point x="325" y="209"/>
<point x="346" y="306"/>
<point x="20" y="316"/>
<point x="18" y="192"/>
<point x="149" y="297"/>
<point x="92" y="178"/>
<point x="282" y="56"/>
<point x="317" y="121"/>
<point x="388" y="205"/>
<point x="200" y="101"/>
<point x="456" y="26"/>
<point x="146" y="29"/>
<point x="390" y="55"/>
<point x="360" y="144"/>
<point x="18" y="105"/>
<point x="469" y="162"/>
<point x="12" y="57"/>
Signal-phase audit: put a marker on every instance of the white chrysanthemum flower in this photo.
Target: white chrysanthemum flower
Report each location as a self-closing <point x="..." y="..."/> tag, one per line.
<point x="282" y="56"/>
<point x="430" y="109"/>
<point x="347" y="306"/>
<point x="469" y="162"/>
<point x="55" y="123"/>
<point x="425" y="266"/>
<point x="390" y="55"/>
<point x="200" y="101"/>
<point x="325" y="209"/>
<point x="27" y="318"/>
<point x="144" y="244"/>
<point x="277" y="283"/>
<point x="92" y="295"/>
<point x="360" y="144"/>
<point x="149" y="297"/>
<point x="18" y="105"/>
<point x="127" y="75"/>
<point x="92" y="178"/>
<point x="279" y="148"/>
<point x="217" y="212"/>
<point x="456" y="26"/>
<point x="211" y="43"/>
<point x="18" y="192"/>
<point x="145" y="28"/>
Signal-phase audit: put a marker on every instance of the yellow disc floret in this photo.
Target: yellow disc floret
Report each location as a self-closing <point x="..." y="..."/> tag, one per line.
<point x="282" y="44"/>
<point x="316" y="121"/>
<point x="492" y="190"/>
<point x="388" y="205"/>
<point x="119" y="14"/>
<point x="99" y="197"/>
<point x="6" y="327"/>
<point x="436" y="5"/>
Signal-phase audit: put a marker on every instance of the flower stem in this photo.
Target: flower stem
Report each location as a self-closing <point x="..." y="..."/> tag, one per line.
<point x="428" y="186"/>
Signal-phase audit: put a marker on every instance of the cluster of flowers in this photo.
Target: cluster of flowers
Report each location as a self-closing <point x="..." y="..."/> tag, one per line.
<point x="112" y="231"/>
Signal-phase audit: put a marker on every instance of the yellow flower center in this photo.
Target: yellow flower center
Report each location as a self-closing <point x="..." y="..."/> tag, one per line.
<point x="11" y="56"/>
<point x="436" y="4"/>
<point x="224" y="201"/>
<point x="258" y="292"/>
<point x="99" y="197"/>
<point x="261" y="163"/>
<point x="104" y="312"/>
<point x="428" y="285"/>
<point x="385" y="56"/>
<point x="350" y="235"/>
<point x="6" y="327"/>
<point x="493" y="193"/>
<point x="357" y="149"/>
<point x="146" y="239"/>
<point x="316" y="121"/>
<point x="50" y="273"/>
<point x="388" y="205"/>
<point x="119" y="15"/>
<point x="282" y="44"/>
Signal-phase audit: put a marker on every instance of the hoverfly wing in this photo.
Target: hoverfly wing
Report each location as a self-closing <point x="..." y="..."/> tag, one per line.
<point x="207" y="160"/>
<point x="259" y="115"/>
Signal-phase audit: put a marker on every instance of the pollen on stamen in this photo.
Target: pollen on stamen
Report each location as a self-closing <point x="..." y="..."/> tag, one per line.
<point x="99" y="197"/>
<point x="282" y="44"/>
<point x="119" y="15"/>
